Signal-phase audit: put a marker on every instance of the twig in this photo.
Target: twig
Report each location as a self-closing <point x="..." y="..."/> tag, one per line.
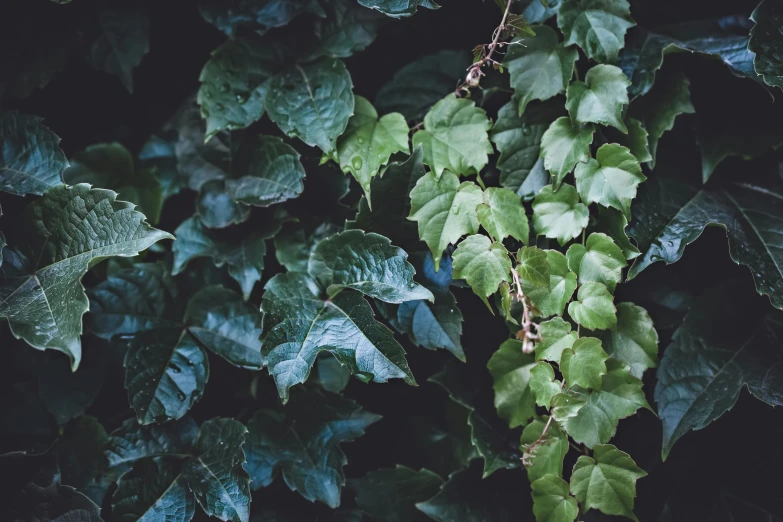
<point x="474" y="71"/>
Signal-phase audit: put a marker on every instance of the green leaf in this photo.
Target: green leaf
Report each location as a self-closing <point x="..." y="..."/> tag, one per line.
<point x="299" y="323"/>
<point x="556" y="336"/>
<point x="398" y="8"/>
<point x="215" y="474"/>
<point x="594" y="308"/>
<point x="637" y="139"/>
<point x="165" y="374"/>
<point x="606" y="481"/>
<point x="433" y="325"/>
<point x="551" y="500"/>
<point x="634" y="340"/>
<point x="390" y="495"/>
<point x="613" y="223"/>
<point x="32" y="161"/>
<point x="81" y="446"/>
<point x="540" y="66"/>
<point x="599" y="260"/>
<point x="536" y="11"/>
<point x="347" y="28"/>
<point x="367" y="263"/>
<point x="543" y="383"/>
<point x="597" y="26"/>
<point x="562" y="283"/>
<point x="502" y="215"/>
<point x="584" y="363"/>
<point x="611" y="179"/>
<point x="293" y="247"/>
<point x="234" y="83"/>
<point x="765" y="42"/>
<point x="591" y="417"/>
<point x="482" y="264"/>
<point x="110" y="166"/>
<point x="492" y="444"/>
<point x="121" y="44"/>
<point x="533" y="267"/>
<point x="547" y="456"/>
<point x="216" y="208"/>
<point x="41" y="293"/>
<point x="330" y="374"/>
<point x="312" y="102"/>
<point x="226" y="325"/>
<point x="303" y="442"/>
<point x="420" y="84"/>
<point x="154" y="490"/>
<point x="445" y="210"/>
<point x="258" y="17"/>
<point x="368" y="142"/>
<point x="133" y="442"/>
<point x="600" y="98"/>
<point x="563" y="145"/>
<point x="455" y="137"/>
<point x="510" y="370"/>
<point x="559" y="215"/>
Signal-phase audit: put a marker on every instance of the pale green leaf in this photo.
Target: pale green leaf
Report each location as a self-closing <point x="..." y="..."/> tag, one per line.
<point x="551" y="500"/>
<point x="543" y="383"/>
<point x="482" y="264"/>
<point x="600" y="98"/>
<point x="563" y="145"/>
<point x="533" y="267"/>
<point x="599" y="260"/>
<point x="502" y="215"/>
<point x="584" y="363"/>
<point x="32" y="161"/>
<point x="510" y="370"/>
<point x="556" y="336"/>
<point x="634" y="340"/>
<point x="597" y="26"/>
<point x="593" y="308"/>
<point x="562" y="283"/>
<point x="559" y="215"/>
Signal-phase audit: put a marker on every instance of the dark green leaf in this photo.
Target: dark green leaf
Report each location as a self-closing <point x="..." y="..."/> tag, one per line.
<point x="260" y="17"/>
<point x="133" y="442"/>
<point x="32" y="161"/>
<point x="765" y="42"/>
<point x="81" y="450"/>
<point x="294" y="245"/>
<point x="597" y="26"/>
<point x="510" y="370"/>
<point x="155" y="491"/>
<point x="533" y="267"/>
<point x="433" y="325"/>
<point x="398" y="8"/>
<point x="347" y="28"/>
<point x="389" y="495"/>
<point x="217" y="208"/>
<point x="122" y="43"/>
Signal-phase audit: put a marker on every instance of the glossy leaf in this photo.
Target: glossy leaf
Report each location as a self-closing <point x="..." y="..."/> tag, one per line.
<point x="559" y="215"/>
<point x="563" y="145"/>
<point x="634" y="340"/>
<point x="597" y="26"/>
<point x="433" y="325"/>
<point x="133" y="442"/>
<point x="31" y="161"/>
<point x="510" y="370"/>
<point x="154" y="490"/>
<point x="533" y="267"/>
<point x="600" y="98"/>
<point x="502" y="215"/>
<point x="599" y="260"/>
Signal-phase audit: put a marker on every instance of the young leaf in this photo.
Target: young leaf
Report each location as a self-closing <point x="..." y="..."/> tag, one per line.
<point x="563" y="145"/>
<point x="502" y="215"/>
<point x="547" y="456"/>
<point x="539" y="66"/>
<point x="445" y="210"/>
<point x="543" y="383"/>
<point x="559" y="215"/>
<point x="600" y="98"/>
<point x="303" y="442"/>
<point x="593" y="308"/>
<point x="368" y="142"/>
<point x="41" y="293"/>
<point x="556" y="336"/>
<point x="482" y="264"/>
<point x="312" y="102"/>
<point x="562" y="283"/>
<point x="765" y="42"/>
<point x="510" y="370"/>
<point x="551" y="500"/>
<point x="634" y="341"/>
<point x="597" y="26"/>
<point x="154" y="488"/>
<point x="367" y="263"/>
<point x="32" y="161"/>
<point x="584" y="363"/>
<point x="533" y="267"/>
<point x="611" y="179"/>
<point x="606" y="481"/>
<point x="398" y="8"/>
<point x="122" y="43"/>
<point x="391" y="494"/>
<point x="599" y="260"/>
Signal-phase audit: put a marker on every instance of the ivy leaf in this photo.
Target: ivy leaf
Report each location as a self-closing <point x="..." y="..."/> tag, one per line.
<point x="637" y="140"/>
<point x="610" y="179"/>
<point x="303" y="442"/>
<point x="297" y="316"/>
<point x="255" y="16"/>
<point x="533" y="267"/>
<point x="398" y="8"/>
<point x="562" y="283"/>
<point x="368" y="142"/>
<point x="312" y="102"/>
<point x="591" y="417"/>
<point x="122" y="43"/>
<point x="234" y="82"/>
<point x="165" y="374"/>
<point x="81" y="450"/>
<point x="293" y="249"/>
<point x="502" y="215"/>
<point x="390" y="495"/>
<point x="600" y="98"/>
<point x="482" y="264"/>
<point x="215" y="474"/>
<point x="420" y="84"/>
<point x="510" y="370"/>
<point x="543" y="383"/>
<point x="765" y="43"/>
<point x="445" y="210"/>
<point x="367" y="263"/>
<point x="540" y="66"/>
<point x="133" y="442"/>
<point x="556" y="336"/>
<point x="593" y="308"/>
<point x="347" y="28"/>
<point x="551" y="500"/>
<point x="32" y="161"/>
<point x="559" y="215"/>
<point x="41" y="293"/>
<point x="491" y="443"/>
<point x="706" y="366"/>
<point x="535" y="12"/>
<point x="634" y="341"/>
<point x="584" y="363"/>
<point x="563" y="145"/>
<point x="606" y="481"/>
<point x="433" y="326"/>
<point x="547" y="456"/>
<point x="226" y="325"/>
<point x="597" y="26"/>
<point x="599" y="260"/>
<point x="154" y="488"/>
<point x="216" y="208"/>
<point x="613" y="223"/>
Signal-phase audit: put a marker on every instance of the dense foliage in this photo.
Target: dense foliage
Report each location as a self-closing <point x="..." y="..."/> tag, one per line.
<point x="431" y="231"/>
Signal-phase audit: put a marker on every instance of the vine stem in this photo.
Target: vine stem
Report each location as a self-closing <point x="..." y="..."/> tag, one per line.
<point x="474" y="71"/>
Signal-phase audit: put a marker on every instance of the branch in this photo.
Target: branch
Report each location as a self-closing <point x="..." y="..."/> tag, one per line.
<point x="474" y="72"/>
